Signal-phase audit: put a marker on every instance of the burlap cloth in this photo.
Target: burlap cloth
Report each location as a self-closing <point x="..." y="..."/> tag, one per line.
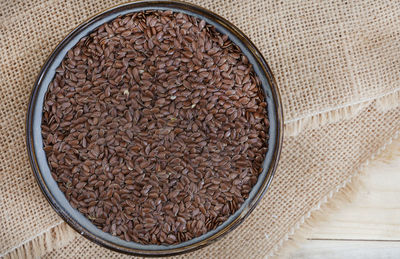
<point x="337" y="65"/>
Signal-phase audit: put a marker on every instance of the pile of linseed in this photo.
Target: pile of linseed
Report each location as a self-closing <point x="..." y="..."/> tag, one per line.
<point x="155" y="127"/>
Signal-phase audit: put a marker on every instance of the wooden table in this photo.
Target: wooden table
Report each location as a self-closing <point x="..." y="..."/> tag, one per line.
<point x="367" y="227"/>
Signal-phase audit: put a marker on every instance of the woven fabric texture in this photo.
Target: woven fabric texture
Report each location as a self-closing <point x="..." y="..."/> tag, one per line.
<point x="337" y="67"/>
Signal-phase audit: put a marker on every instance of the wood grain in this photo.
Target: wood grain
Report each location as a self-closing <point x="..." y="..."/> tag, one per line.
<point x="367" y="227"/>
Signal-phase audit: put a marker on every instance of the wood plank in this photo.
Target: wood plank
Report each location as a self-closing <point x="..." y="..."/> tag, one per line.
<point x="373" y="214"/>
<point x="367" y="227"/>
<point x="334" y="249"/>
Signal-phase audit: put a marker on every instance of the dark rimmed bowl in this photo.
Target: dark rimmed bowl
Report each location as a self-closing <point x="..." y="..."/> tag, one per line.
<point x="42" y="171"/>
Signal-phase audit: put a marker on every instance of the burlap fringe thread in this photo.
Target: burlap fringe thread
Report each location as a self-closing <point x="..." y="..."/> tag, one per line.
<point x="61" y="234"/>
<point x="383" y="102"/>
<point x="55" y="237"/>
<point x="335" y="199"/>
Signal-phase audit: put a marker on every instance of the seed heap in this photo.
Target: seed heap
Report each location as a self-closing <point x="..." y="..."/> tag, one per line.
<point x="155" y="127"/>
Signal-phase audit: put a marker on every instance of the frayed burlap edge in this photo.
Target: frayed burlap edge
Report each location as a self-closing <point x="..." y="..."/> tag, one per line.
<point x="383" y="102"/>
<point x="335" y="199"/>
<point x="54" y="237"/>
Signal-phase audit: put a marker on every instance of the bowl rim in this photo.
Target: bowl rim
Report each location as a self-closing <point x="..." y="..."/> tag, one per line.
<point x="184" y="6"/>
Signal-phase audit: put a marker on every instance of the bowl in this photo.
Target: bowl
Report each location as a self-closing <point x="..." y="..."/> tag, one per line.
<point x="49" y="186"/>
